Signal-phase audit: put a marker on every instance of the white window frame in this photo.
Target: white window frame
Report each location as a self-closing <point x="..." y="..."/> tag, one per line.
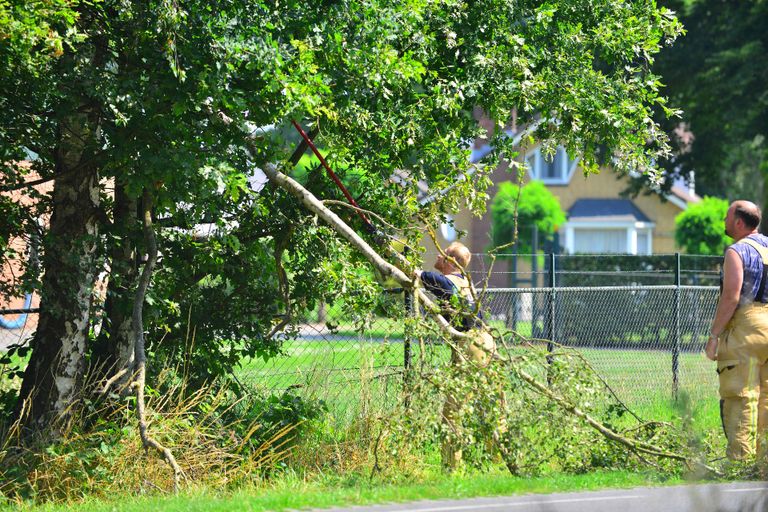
<point x="448" y="229"/>
<point x="632" y="228"/>
<point x="567" y="167"/>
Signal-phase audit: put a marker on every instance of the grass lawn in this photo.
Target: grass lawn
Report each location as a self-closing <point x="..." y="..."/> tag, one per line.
<point x="392" y="329"/>
<point x="637" y="376"/>
<point x="294" y="493"/>
<point x="355" y="375"/>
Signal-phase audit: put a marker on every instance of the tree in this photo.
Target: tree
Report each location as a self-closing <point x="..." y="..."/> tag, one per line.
<point x="158" y="99"/>
<point x="701" y="228"/>
<point x="717" y="75"/>
<point x="516" y="211"/>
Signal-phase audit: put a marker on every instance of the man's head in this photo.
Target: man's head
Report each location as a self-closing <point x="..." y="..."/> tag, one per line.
<point x="742" y="219"/>
<point x="459" y="252"/>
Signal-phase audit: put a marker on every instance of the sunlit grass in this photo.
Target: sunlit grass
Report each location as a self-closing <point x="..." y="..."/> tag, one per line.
<point x="326" y="491"/>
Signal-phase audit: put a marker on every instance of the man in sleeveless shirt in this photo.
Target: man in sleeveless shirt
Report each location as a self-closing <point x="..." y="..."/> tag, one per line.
<point x="738" y="339"/>
<point x="450" y="282"/>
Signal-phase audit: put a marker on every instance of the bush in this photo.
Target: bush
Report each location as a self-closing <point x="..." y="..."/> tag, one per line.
<point x="537" y="207"/>
<point x="103" y="456"/>
<point x="701" y="228"/>
<point x="257" y="419"/>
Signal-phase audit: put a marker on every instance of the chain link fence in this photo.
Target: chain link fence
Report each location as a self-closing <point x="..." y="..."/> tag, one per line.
<point x="639" y="321"/>
<point x="644" y="341"/>
<point x="356" y="366"/>
<point x="16" y="326"/>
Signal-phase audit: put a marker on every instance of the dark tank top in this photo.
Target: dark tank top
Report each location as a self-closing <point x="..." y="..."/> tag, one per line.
<point x="753" y="268"/>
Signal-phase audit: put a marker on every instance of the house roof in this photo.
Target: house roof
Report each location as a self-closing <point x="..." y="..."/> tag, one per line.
<point x="684" y="193"/>
<point x="606" y="210"/>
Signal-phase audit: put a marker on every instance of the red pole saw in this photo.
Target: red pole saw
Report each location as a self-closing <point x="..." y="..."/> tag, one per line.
<point x="330" y="172"/>
<point x="379" y="236"/>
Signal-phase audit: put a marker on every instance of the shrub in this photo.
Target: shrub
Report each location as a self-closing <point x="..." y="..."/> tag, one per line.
<point x="701" y="228"/>
<point x="537" y="207"/>
<point x="103" y="456"/>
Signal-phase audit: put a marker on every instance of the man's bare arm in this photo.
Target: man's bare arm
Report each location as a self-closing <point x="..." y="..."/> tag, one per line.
<point x="733" y="275"/>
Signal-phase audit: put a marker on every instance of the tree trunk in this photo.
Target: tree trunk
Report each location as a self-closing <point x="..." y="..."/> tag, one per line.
<point x="140" y="355"/>
<point x="54" y="374"/>
<point x="112" y="351"/>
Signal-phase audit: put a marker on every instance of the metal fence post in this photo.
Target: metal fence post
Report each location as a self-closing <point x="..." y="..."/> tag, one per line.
<point x="408" y="301"/>
<point x="552" y="298"/>
<point x="552" y="303"/>
<point x="676" y="312"/>
<point x="409" y="312"/>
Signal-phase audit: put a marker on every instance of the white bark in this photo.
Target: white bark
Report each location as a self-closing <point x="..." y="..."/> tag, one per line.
<point x="53" y="376"/>
<point x="316" y="206"/>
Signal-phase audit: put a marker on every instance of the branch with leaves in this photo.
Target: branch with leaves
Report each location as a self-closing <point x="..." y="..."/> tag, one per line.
<point x="316" y="206"/>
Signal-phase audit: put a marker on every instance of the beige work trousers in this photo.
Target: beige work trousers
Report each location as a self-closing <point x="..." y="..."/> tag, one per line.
<point x="479" y="350"/>
<point x="741" y="365"/>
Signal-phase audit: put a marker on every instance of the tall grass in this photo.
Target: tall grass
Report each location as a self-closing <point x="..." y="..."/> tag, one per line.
<point x="98" y="452"/>
<point x="227" y="442"/>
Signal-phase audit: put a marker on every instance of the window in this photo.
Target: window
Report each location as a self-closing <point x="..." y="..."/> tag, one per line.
<point x="644" y="241"/>
<point x="630" y="238"/>
<point x="556" y="168"/>
<point x="448" y="230"/>
<point x="598" y="241"/>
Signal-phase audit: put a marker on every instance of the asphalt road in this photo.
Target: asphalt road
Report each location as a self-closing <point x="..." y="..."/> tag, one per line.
<point x="732" y="497"/>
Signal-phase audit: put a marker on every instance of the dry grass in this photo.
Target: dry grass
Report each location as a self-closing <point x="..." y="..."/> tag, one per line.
<point x="214" y="437"/>
<point x="104" y="457"/>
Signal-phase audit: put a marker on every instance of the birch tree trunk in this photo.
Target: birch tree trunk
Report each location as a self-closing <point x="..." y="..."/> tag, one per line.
<point x="54" y="374"/>
<point x="113" y="350"/>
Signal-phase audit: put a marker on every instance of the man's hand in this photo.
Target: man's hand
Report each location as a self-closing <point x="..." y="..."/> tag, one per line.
<point x="711" y="348"/>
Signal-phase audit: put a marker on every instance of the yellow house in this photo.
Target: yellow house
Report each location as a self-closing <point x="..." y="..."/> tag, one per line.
<point x="599" y="219"/>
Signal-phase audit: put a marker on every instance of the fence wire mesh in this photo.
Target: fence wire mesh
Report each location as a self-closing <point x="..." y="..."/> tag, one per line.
<point x="644" y="341"/>
<point x="356" y="366"/>
<point x="640" y="322"/>
<point x="16" y="327"/>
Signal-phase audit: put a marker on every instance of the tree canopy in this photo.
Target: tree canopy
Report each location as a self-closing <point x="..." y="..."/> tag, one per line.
<point x="142" y="112"/>
<point x="717" y="75"/>
<point x="518" y="211"/>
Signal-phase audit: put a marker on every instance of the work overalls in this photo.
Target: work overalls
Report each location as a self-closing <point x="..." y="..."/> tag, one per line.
<point x="741" y="365"/>
<point x="478" y="349"/>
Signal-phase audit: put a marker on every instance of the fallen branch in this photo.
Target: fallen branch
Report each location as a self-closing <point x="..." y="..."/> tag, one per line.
<point x="369" y="213"/>
<point x="386" y="269"/>
<point x="635" y="446"/>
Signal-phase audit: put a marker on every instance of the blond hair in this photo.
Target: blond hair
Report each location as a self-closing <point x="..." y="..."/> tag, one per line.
<point x="459" y="252"/>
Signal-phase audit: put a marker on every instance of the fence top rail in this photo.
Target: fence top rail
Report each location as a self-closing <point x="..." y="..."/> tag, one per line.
<point x="19" y="311"/>
<point x="639" y="288"/>
<point x="601" y="254"/>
